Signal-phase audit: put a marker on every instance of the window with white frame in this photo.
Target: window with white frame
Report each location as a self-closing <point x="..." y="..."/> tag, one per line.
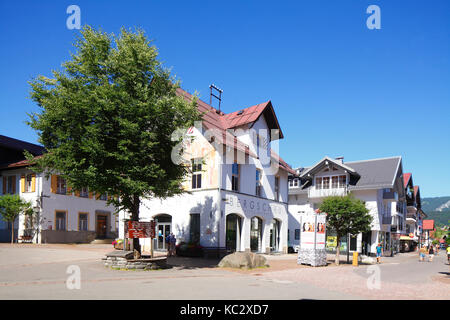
<point x="197" y="173"/>
<point x="84" y="192"/>
<point x="60" y="223"/>
<point x="82" y="221"/>
<point x="326" y="182"/>
<point x="342" y="181"/>
<point x="61" y="186"/>
<point x="319" y="183"/>
<point x="28" y="182"/>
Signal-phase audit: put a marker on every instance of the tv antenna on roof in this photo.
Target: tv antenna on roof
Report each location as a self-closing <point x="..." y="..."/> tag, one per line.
<point x="213" y="86"/>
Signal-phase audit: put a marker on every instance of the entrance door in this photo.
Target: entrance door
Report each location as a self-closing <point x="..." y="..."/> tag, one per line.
<point x="163" y="230"/>
<point x="101" y="226"/>
<point x="233" y="233"/>
<point x="274" y="235"/>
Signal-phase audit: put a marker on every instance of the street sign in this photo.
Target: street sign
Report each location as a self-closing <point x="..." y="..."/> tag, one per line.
<point x="140" y="229"/>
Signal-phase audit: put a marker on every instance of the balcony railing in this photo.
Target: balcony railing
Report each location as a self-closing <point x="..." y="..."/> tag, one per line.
<point x="320" y="193"/>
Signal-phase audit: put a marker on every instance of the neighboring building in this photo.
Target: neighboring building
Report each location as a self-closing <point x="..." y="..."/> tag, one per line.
<point x="238" y="195"/>
<point x="61" y="214"/>
<point x="377" y="182"/>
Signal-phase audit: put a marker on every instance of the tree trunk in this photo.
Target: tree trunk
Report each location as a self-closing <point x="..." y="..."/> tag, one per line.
<point x="135" y="217"/>
<point x="338" y="250"/>
<point x="12" y="232"/>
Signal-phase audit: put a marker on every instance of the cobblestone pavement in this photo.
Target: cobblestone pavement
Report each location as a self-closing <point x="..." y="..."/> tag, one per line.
<point x="39" y="272"/>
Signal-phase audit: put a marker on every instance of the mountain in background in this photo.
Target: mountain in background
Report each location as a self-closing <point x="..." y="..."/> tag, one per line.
<point x="438" y="209"/>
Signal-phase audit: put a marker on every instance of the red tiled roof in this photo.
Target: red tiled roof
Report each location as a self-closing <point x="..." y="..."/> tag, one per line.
<point x="406" y="177"/>
<point x="416" y="189"/>
<point x="19" y="164"/>
<point x="218" y="123"/>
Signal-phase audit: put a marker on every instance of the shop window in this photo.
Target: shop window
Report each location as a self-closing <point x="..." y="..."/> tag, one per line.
<point x="297" y="234"/>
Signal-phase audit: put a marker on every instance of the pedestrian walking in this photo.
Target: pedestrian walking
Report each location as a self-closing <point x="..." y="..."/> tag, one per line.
<point x="431" y="253"/>
<point x="172" y="244"/>
<point x="422" y="252"/>
<point x="379" y="252"/>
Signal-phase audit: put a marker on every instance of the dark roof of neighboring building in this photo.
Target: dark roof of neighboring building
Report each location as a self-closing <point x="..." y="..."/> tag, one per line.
<point x="20" y="145"/>
<point x="367" y="174"/>
<point x="376" y="173"/>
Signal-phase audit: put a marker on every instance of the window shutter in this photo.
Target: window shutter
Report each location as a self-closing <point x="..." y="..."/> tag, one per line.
<point x="53" y="185"/>
<point x="22" y="183"/>
<point x="90" y="195"/>
<point x="33" y="182"/>
<point x="4" y="185"/>
<point x="77" y="193"/>
<point x="14" y="185"/>
<point x="69" y="191"/>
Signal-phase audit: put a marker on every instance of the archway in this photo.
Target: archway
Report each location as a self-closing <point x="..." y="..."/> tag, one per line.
<point x="256" y="232"/>
<point x="233" y="232"/>
<point x="163" y="229"/>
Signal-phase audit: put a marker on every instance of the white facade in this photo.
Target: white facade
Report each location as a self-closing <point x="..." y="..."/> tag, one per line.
<point x="49" y="206"/>
<point x="225" y="215"/>
<point x="382" y="208"/>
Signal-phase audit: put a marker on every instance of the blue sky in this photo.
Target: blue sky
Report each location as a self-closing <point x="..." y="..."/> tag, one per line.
<point x="338" y="88"/>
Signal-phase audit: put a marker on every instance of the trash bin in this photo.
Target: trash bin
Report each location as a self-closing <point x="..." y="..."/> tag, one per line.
<point x="355" y="258"/>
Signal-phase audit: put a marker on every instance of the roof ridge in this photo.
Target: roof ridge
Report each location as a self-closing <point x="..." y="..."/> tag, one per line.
<point x="375" y="159"/>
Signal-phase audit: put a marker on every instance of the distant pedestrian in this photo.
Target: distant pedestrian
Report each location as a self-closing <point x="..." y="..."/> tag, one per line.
<point x="431" y="253"/>
<point x="172" y="244"/>
<point x="422" y="252"/>
<point x="379" y="252"/>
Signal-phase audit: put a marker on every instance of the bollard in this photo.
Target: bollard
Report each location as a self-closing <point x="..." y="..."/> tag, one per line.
<point x="355" y="258"/>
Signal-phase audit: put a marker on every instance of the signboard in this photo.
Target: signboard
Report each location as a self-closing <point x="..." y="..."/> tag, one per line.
<point x="428" y="224"/>
<point x="320" y="231"/>
<point x="307" y="228"/>
<point x="135" y="229"/>
<point x="331" y="242"/>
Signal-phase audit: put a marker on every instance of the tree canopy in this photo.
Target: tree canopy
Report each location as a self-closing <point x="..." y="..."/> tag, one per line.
<point x="11" y="206"/>
<point x="346" y="215"/>
<point x="107" y="119"/>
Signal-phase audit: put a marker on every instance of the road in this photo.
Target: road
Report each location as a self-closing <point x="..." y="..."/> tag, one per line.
<point x="40" y="272"/>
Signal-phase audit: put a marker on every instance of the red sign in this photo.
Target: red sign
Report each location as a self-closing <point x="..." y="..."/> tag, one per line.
<point x="140" y="229"/>
<point x="428" y="224"/>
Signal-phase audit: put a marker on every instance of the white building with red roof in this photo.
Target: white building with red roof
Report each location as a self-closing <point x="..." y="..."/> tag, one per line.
<point x="238" y="186"/>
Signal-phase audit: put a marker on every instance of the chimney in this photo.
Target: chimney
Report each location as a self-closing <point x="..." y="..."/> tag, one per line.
<point x="340" y="159"/>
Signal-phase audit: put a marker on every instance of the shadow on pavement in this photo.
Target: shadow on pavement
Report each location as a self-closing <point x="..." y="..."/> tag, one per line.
<point x="184" y="263"/>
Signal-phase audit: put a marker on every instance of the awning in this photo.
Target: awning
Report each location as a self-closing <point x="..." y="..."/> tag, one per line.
<point x="408" y="238"/>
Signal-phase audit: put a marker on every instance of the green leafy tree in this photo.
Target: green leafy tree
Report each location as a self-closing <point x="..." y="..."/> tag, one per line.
<point x="345" y="215"/>
<point x="11" y="206"/>
<point x="107" y="120"/>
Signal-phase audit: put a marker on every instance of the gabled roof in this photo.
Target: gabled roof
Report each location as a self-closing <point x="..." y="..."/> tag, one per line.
<point x="416" y="190"/>
<point x="323" y="163"/>
<point x="406" y="178"/>
<point x="365" y="174"/>
<point x="251" y="114"/>
<point x="218" y="122"/>
<point x="376" y="173"/>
